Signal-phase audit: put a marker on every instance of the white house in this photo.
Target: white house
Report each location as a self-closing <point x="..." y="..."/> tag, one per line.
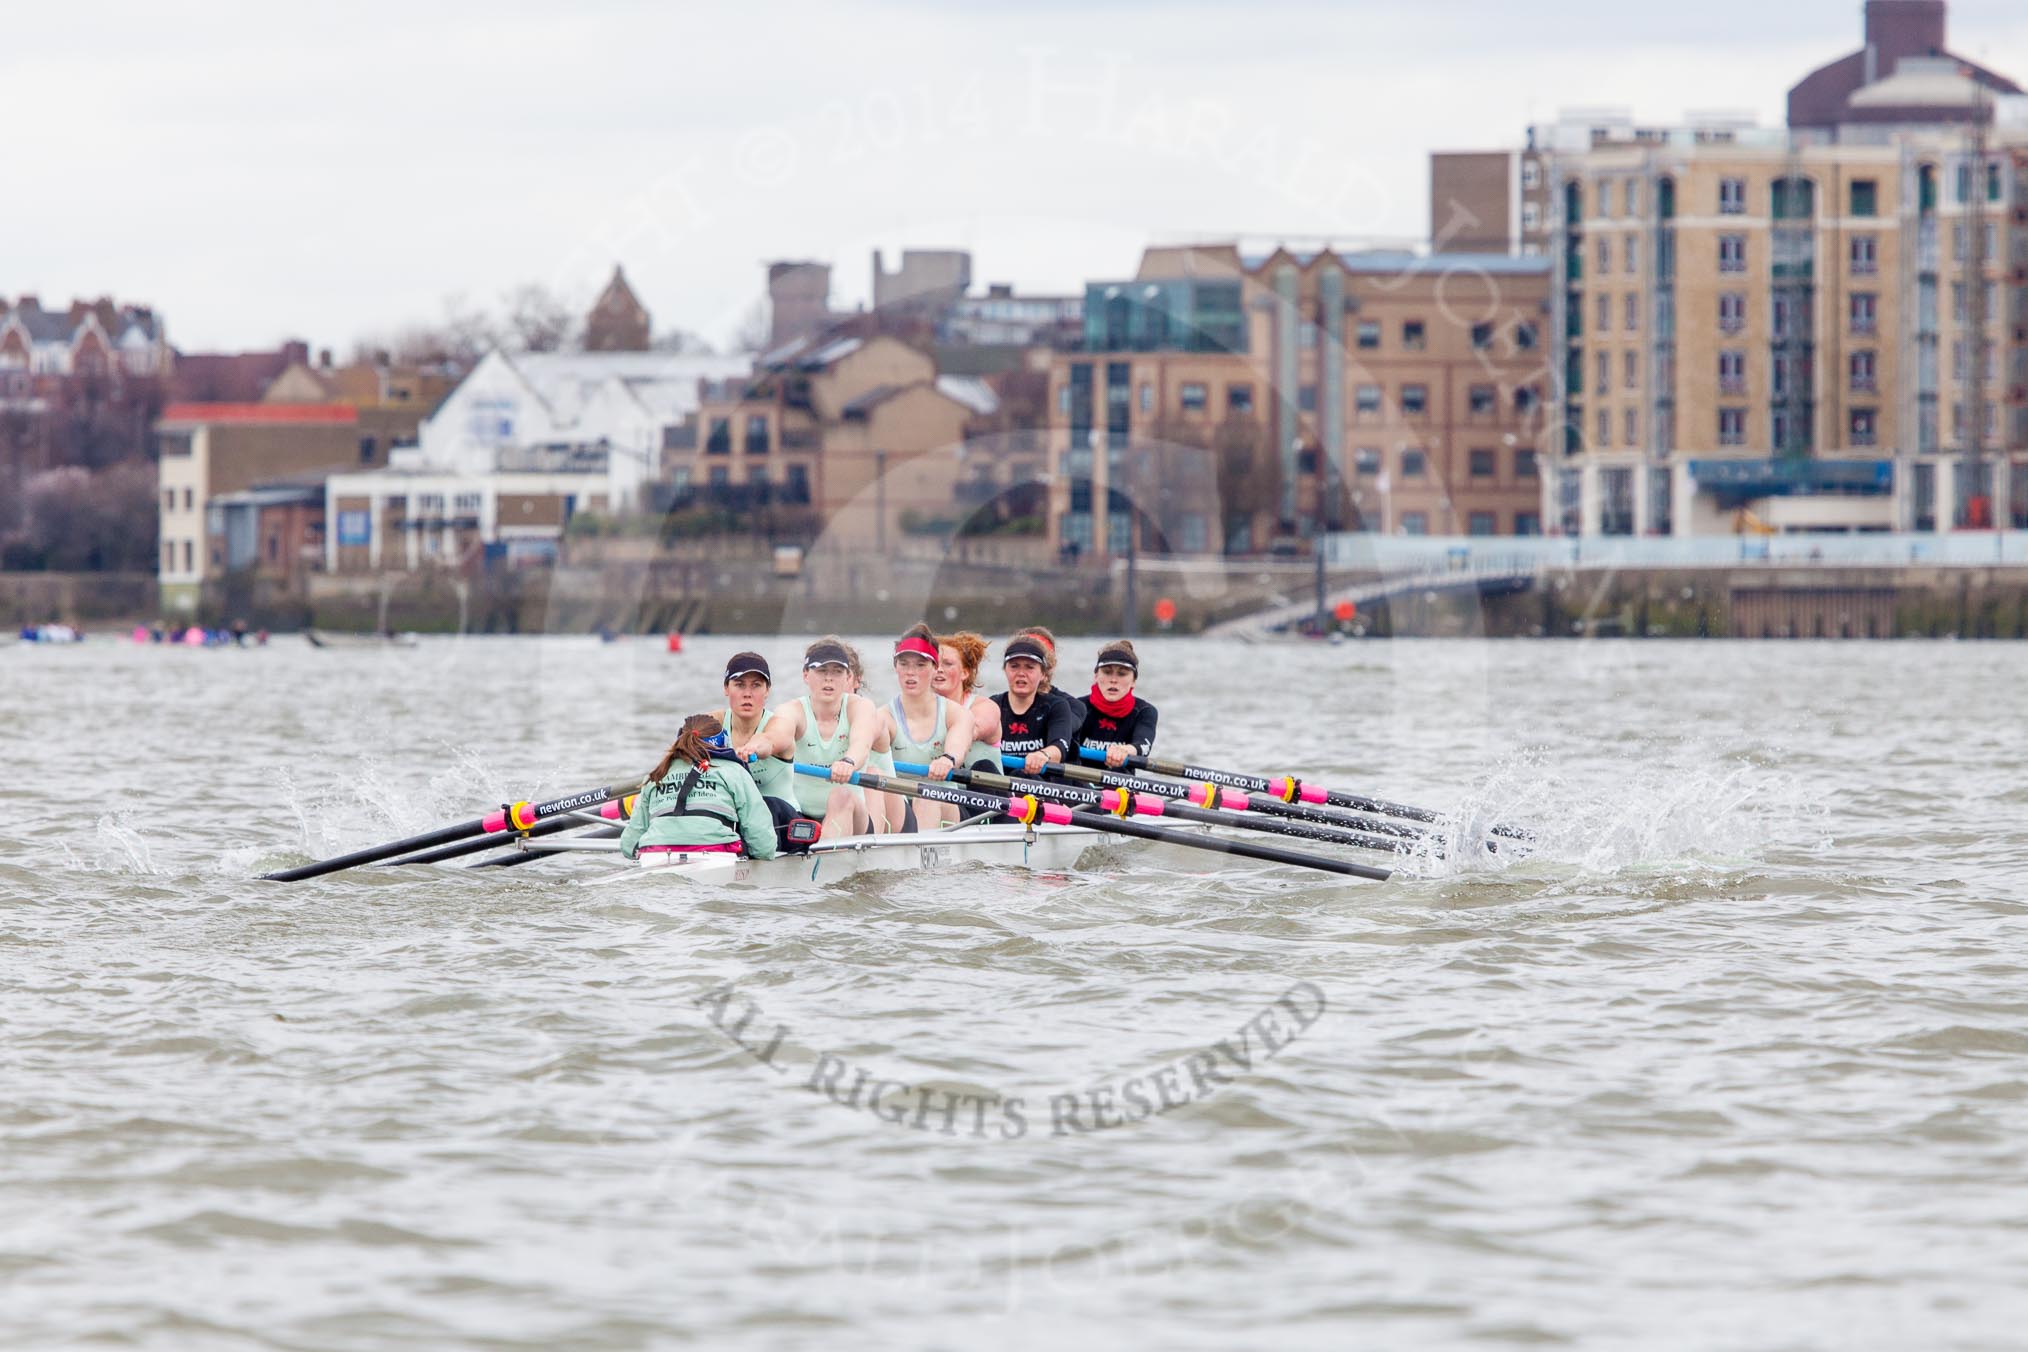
<point x="565" y="412"/>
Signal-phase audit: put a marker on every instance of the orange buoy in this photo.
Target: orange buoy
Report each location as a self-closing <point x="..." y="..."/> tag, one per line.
<point x="1165" y="611"/>
<point x="675" y="643"/>
<point x="1345" y="610"/>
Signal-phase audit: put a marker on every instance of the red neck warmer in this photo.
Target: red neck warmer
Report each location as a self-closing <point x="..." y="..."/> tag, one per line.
<point x="1111" y="708"/>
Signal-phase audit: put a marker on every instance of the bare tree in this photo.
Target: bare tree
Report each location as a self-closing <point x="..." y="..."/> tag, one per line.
<point x="538" y="320"/>
<point x="683" y="343"/>
<point x="755" y="329"/>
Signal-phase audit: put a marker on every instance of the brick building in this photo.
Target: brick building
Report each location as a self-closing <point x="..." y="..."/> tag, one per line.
<point x="1233" y="400"/>
<point x="210" y="451"/>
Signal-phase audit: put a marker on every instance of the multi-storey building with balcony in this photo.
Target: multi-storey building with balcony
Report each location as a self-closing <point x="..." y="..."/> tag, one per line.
<point x="1237" y="400"/>
<point x="1814" y="328"/>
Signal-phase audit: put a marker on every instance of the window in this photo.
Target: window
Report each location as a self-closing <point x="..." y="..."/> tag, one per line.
<point x="1524" y="464"/>
<point x="1306" y="460"/>
<point x="1630" y="255"/>
<point x="1732" y="427"/>
<point x="1239" y="398"/>
<point x="1531" y="216"/>
<point x="1414" y="464"/>
<point x="367" y="447"/>
<point x="1369" y="334"/>
<point x="1604" y="322"/>
<point x="1415" y="523"/>
<point x="1605" y="254"/>
<point x="1865" y="255"/>
<point x="1481" y="523"/>
<point x="1605" y="198"/>
<point x="1732" y="372"/>
<point x="1063" y="399"/>
<point x="721" y="476"/>
<point x="1630" y="428"/>
<point x="1366" y="460"/>
<point x="796" y="485"/>
<point x="1863" y="375"/>
<point x="1731" y="311"/>
<point x="1485" y="401"/>
<point x="1958" y="238"/>
<point x="1531" y="175"/>
<point x="1527" y="523"/>
<point x="1412" y="335"/>
<point x="1482" y="337"/>
<point x="467" y="504"/>
<point x="1147" y="397"/>
<point x="1524" y="337"/>
<point x="719" y="442"/>
<point x="189" y="557"/>
<point x="756" y="434"/>
<point x="1415" y="400"/>
<point x="1193" y="396"/>
<point x="1605" y="373"/>
<point x="1630" y="318"/>
<point x="1604" y="438"/>
<point x="1732" y="197"/>
<point x="1633" y="197"/>
<point x="1779" y="421"/>
<point x="1864" y="426"/>
<point x="1865" y="312"/>
<point x="189" y="500"/>
<point x="1865" y="197"/>
<point x="1732" y="253"/>
<point x="168" y="499"/>
<point x="1367" y="399"/>
<point x="168" y="557"/>
<point x="1306" y="398"/>
<point x="1525" y="399"/>
<point x="1482" y="464"/>
<point x="757" y="476"/>
<point x="1630" y="370"/>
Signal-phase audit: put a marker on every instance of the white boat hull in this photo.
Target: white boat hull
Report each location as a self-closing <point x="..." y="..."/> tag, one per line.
<point x="1044" y="848"/>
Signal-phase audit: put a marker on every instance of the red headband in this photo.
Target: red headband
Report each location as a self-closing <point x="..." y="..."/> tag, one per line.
<point x="921" y="647"/>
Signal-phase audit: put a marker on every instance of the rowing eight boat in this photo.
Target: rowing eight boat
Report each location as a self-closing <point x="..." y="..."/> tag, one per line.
<point x="1040" y="848"/>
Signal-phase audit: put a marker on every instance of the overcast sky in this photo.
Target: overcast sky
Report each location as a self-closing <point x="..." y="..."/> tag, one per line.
<point x="271" y="171"/>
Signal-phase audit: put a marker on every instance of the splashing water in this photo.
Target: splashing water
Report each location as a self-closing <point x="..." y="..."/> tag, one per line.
<point x="1661" y="805"/>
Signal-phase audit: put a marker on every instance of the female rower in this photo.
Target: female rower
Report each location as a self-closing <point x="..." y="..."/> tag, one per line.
<point x="1036" y="723"/>
<point x="957" y="679"/>
<point x="924" y="727"/>
<point x="747" y="684"/>
<point x="713" y="809"/>
<point x="829" y="726"/>
<point x="1114" y="719"/>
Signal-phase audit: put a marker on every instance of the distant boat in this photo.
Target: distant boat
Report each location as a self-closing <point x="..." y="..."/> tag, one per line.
<point x="329" y="640"/>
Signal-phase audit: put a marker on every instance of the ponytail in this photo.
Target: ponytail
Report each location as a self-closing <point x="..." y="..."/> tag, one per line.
<point x="689" y="746"/>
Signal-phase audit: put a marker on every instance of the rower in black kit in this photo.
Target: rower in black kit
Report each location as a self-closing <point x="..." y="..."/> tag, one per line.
<point x="1036" y="722"/>
<point x="1112" y="718"/>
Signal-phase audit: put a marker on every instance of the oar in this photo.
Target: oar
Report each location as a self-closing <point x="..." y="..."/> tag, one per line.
<point x="1051" y="812"/>
<point x="617" y="809"/>
<point x="1027" y="811"/>
<point x="512" y="818"/>
<point x="1208" y="795"/>
<point x="520" y="857"/>
<point x="1289" y="789"/>
<point x="1120" y="802"/>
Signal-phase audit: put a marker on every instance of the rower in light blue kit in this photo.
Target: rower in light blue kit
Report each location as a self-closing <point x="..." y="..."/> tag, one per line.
<point x="925" y="729"/>
<point x="828" y="726"/>
<point x="713" y="808"/>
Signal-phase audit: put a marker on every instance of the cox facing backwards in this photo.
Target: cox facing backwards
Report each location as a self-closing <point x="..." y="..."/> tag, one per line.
<point x="713" y="809"/>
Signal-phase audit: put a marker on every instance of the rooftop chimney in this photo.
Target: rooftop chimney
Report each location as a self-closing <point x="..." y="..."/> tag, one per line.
<point x="1899" y="28"/>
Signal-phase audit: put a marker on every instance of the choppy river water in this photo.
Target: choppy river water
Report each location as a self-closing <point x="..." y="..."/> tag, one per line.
<point x="1738" y="1059"/>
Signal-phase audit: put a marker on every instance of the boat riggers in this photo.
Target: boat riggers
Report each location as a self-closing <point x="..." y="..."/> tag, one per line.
<point x="1289" y="789"/>
<point x="513" y="819"/>
<point x="1027" y="811"/>
<point x="1123" y="801"/>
